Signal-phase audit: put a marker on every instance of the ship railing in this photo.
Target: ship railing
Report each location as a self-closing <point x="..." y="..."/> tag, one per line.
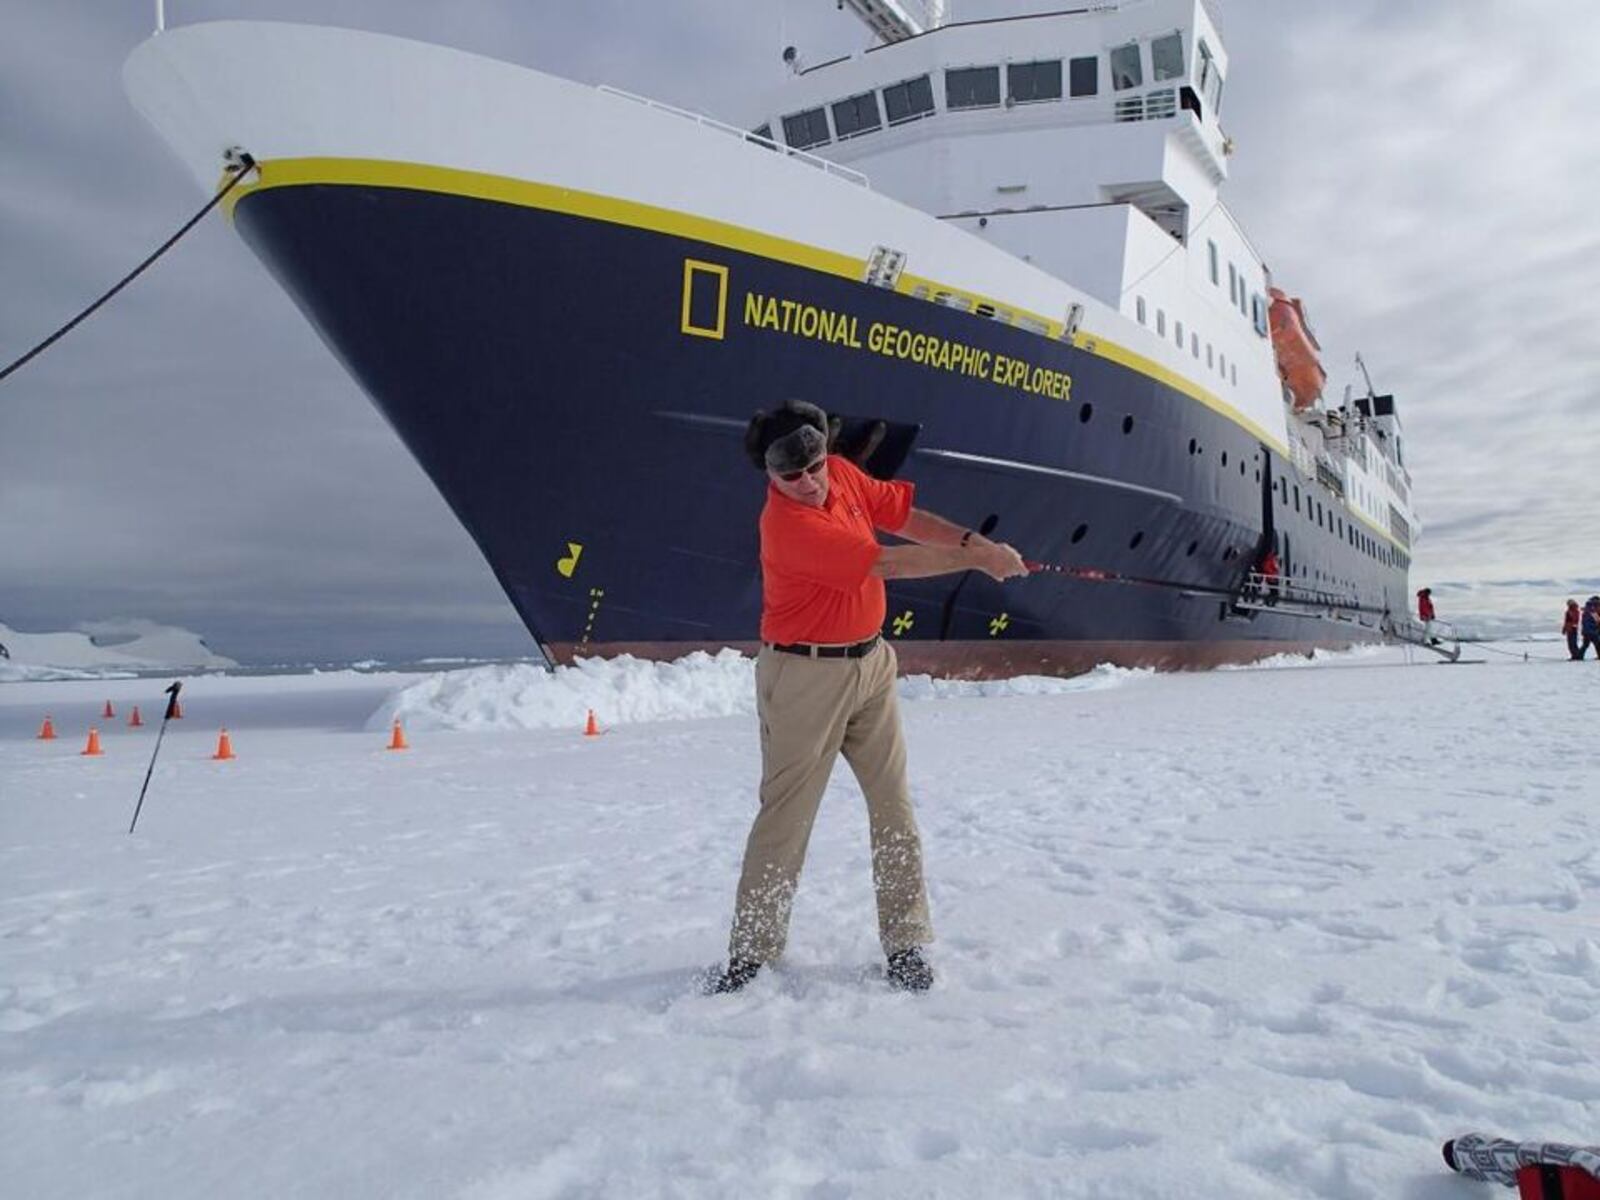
<point x="1260" y="590"/>
<point x="1329" y="475"/>
<point x="811" y="160"/>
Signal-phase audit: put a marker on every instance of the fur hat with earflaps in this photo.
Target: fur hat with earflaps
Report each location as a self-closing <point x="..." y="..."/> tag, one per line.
<point x="789" y="439"/>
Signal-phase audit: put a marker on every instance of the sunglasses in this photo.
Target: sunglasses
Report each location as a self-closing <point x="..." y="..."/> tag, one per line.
<point x="794" y="476"/>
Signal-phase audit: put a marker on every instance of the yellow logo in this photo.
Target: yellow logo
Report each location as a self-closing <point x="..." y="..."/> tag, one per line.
<point x="902" y="623"/>
<point x="703" y="323"/>
<point x="998" y="625"/>
<point x="569" y="564"/>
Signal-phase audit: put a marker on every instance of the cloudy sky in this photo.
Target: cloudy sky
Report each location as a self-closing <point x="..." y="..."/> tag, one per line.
<point x="1419" y="172"/>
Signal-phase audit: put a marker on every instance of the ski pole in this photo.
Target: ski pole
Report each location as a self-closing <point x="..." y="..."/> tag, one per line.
<point x="172" y="711"/>
<point x="1098" y="575"/>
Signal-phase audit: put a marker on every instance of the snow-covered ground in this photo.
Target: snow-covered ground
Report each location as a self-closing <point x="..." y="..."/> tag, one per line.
<point x="1259" y="933"/>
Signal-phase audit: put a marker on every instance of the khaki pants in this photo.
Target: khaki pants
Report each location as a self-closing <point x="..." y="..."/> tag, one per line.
<point x="811" y="709"/>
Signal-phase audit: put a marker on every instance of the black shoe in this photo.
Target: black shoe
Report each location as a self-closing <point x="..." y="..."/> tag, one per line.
<point x="909" y="972"/>
<point x="740" y="972"/>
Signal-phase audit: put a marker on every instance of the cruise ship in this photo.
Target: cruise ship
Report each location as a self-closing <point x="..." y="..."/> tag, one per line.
<point x="995" y="251"/>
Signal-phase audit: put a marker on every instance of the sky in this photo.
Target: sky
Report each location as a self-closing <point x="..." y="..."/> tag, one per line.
<point x="1419" y="174"/>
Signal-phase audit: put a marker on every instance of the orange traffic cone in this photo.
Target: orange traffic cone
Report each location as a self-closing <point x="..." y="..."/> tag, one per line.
<point x="109" y="712"/>
<point x="397" y="738"/>
<point x="93" y="746"/>
<point x="135" y="721"/>
<point x="47" y="731"/>
<point x="591" y="727"/>
<point x="224" y="746"/>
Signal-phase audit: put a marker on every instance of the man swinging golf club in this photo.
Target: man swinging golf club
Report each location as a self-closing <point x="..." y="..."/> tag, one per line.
<point x="825" y="681"/>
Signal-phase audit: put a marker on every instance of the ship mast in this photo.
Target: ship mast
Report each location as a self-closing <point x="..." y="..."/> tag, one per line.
<point x="897" y="20"/>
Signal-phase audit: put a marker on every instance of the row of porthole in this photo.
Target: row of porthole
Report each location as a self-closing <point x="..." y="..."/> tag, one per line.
<point x="1373" y="550"/>
<point x="1327" y="520"/>
<point x="1229" y="372"/>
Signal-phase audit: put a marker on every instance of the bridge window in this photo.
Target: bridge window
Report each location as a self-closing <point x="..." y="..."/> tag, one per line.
<point x="972" y="87"/>
<point x="1166" y="57"/>
<point x="1258" y="313"/>
<point x="1212" y="248"/>
<point x="1138" y="308"/>
<point x="1125" y="69"/>
<point x="1177" y="327"/>
<point x="1034" y="81"/>
<point x="1085" y="76"/>
<point x="857" y="114"/>
<point x="909" y="100"/>
<point x="802" y="130"/>
<point x="1233" y="284"/>
<point x="1194" y="344"/>
<point x="1208" y="67"/>
<point x="1161" y="322"/>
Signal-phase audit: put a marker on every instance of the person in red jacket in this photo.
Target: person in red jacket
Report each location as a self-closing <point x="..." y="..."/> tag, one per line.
<point x="1271" y="575"/>
<point x="1425" y="614"/>
<point x="1569" y="627"/>
<point x="825" y="681"/>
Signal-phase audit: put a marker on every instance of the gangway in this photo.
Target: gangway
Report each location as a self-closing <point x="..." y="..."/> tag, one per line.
<point x="1262" y="593"/>
<point x="1438" y="636"/>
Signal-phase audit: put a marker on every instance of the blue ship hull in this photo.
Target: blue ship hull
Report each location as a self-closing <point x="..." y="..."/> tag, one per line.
<point x="577" y="389"/>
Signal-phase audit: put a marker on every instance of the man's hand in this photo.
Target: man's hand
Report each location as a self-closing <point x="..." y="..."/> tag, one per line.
<point x="998" y="560"/>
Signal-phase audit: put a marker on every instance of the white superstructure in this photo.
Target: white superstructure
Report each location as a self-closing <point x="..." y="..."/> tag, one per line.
<point x="1088" y="143"/>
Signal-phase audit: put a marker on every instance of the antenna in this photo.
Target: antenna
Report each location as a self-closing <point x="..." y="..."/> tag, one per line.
<point x="161" y="15"/>
<point x="1371" y="391"/>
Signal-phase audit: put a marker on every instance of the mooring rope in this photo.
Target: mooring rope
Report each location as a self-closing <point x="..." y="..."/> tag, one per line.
<point x="241" y="168"/>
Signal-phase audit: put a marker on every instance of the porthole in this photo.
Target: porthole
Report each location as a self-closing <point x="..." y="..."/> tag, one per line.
<point x="1242" y="466"/>
<point x="1127" y="424"/>
<point x="1079" y="533"/>
<point x="1193" y="546"/>
<point x="1193" y="446"/>
<point x="1085" y="413"/>
<point x="1138" y="537"/>
<point x="1224" y="458"/>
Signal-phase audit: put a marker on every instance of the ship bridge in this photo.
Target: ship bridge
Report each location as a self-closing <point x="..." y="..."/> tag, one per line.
<point x="1087" y="143"/>
<point x="1110" y="104"/>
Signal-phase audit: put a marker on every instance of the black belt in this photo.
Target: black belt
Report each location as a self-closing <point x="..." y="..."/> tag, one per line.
<point x="807" y="650"/>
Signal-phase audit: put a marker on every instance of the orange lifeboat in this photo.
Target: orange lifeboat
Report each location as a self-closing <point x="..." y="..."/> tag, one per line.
<point x="1297" y="350"/>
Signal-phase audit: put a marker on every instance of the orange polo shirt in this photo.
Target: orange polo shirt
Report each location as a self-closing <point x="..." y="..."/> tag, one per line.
<point x="816" y="563"/>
